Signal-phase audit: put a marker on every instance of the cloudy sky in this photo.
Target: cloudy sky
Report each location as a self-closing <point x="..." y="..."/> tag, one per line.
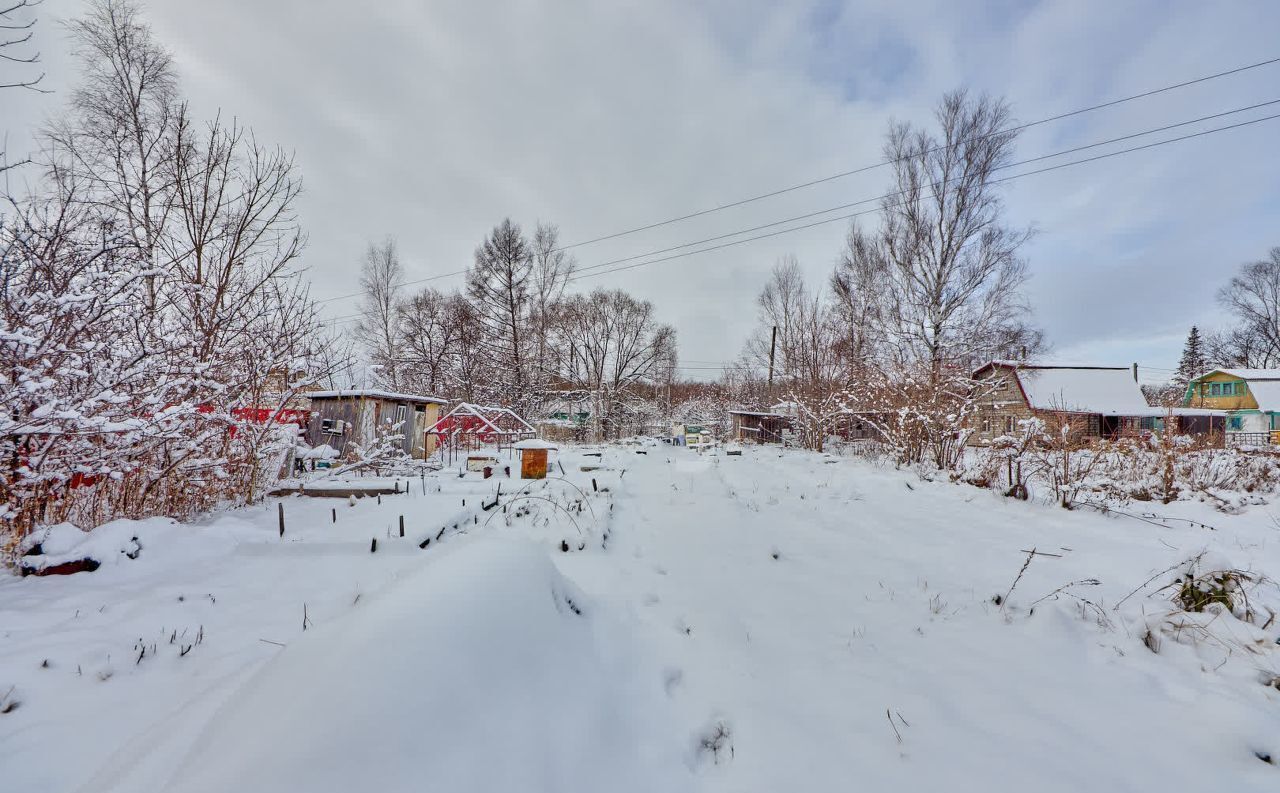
<point x="432" y="120"/>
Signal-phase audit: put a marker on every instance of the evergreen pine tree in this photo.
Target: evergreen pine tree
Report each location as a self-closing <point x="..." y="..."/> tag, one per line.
<point x="1193" y="363"/>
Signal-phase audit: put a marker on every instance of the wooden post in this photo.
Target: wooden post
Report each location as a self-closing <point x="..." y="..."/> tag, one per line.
<point x="373" y="545"/>
<point x="335" y="514"/>
<point x="280" y="505"/>
<point x="402" y="525"/>
<point x="773" y="345"/>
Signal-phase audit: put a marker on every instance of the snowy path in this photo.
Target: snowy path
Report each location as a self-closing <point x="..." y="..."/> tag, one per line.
<point x="879" y="599"/>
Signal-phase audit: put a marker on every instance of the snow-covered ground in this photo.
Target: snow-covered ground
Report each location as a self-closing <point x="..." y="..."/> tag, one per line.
<point x="764" y="622"/>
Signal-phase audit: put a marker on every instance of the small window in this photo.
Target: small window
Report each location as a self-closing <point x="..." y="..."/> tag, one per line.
<point x="1215" y="389"/>
<point x="331" y="426"/>
<point x="1228" y="389"/>
<point x="1235" y="423"/>
<point x="402" y="413"/>
<point x="986" y="424"/>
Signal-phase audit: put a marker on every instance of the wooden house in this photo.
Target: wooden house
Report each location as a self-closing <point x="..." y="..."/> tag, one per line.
<point x="1097" y="401"/>
<point x="1248" y="398"/>
<point x="354" y="416"/>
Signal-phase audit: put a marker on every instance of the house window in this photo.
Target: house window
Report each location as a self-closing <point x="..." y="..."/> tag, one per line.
<point x="986" y="425"/>
<point x="1235" y="423"/>
<point x="1008" y="424"/>
<point x="331" y="426"/>
<point x="1215" y="389"/>
<point x="402" y="413"/>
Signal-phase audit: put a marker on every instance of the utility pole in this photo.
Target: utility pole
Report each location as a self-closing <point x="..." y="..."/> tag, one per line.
<point x="773" y="346"/>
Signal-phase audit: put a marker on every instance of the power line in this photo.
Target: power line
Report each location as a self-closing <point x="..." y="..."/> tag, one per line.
<point x="885" y="162"/>
<point x="862" y="169"/>
<point x="584" y="272"/>
<point x="867" y="211"/>
<point x="860" y="202"/>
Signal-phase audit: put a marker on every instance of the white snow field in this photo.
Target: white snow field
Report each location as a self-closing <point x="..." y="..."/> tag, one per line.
<point x="774" y="621"/>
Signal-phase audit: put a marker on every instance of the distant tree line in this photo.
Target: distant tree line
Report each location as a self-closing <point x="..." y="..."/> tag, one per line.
<point x="516" y="335"/>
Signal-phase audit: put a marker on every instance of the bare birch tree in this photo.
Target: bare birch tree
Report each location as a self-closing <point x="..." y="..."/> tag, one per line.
<point x="552" y="269"/>
<point x="18" y="57"/>
<point x="119" y="138"/>
<point x="945" y="268"/>
<point x="380" y="305"/>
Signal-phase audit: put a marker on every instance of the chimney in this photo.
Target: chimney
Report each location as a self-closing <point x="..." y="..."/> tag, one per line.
<point x="1135" y="372"/>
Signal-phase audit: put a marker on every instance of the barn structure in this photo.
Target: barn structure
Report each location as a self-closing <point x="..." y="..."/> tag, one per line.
<point x="354" y="416"/>
<point x="469" y="426"/>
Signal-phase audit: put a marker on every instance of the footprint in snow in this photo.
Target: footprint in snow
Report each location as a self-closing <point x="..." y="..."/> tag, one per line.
<point x="671" y="680"/>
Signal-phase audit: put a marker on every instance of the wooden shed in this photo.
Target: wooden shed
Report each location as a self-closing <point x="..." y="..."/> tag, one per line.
<point x="353" y="416"/>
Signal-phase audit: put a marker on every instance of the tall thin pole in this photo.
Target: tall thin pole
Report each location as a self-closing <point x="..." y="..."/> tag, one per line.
<point x="773" y="346"/>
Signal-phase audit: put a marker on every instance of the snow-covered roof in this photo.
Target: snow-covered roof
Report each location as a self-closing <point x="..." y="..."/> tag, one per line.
<point x="488" y="415"/>
<point x="375" y="393"/>
<point x="533" y="443"/>
<point x="1082" y="390"/>
<point x="1266" y="393"/>
<point x="1247" y="374"/>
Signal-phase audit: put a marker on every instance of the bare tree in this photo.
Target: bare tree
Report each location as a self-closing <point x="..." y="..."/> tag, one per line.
<point x="17" y="29"/>
<point x="149" y="296"/>
<point x="945" y="268"/>
<point x="552" y="269"/>
<point x="500" y="285"/>
<point x="809" y="371"/>
<point x="119" y="138"/>
<point x="470" y="367"/>
<point x="619" y="344"/>
<point x="430" y="329"/>
<point x="1253" y="298"/>
<point x="380" y="306"/>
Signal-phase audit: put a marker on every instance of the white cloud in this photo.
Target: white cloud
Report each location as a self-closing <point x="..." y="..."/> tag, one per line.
<point x="433" y="121"/>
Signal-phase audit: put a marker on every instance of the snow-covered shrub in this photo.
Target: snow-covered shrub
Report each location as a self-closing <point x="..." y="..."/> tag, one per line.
<point x="1210" y="604"/>
<point x="922" y="416"/>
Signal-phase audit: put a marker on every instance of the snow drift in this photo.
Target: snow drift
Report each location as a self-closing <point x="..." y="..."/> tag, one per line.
<point x="486" y="670"/>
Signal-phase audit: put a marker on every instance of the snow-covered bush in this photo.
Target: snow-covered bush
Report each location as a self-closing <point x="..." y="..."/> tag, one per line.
<point x="922" y="416"/>
<point x="1116" y="472"/>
